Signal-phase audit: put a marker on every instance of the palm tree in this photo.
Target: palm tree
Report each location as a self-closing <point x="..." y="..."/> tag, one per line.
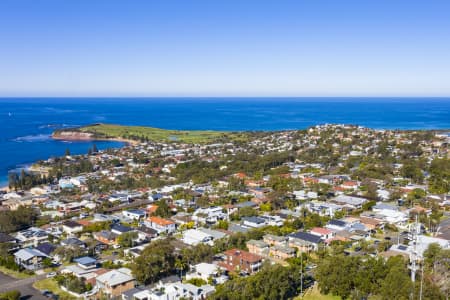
<point x="180" y="265"/>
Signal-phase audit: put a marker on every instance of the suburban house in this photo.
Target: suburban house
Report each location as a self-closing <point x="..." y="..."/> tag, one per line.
<point x="201" y="235"/>
<point x="160" y="225"/>
<point x="30" y="258"/>
<point x="86" y="262"/>
<point x="210" y="215"/>
<point x="170" y="291"/>
<point x="46" y="248"/>
<point x="194" y="237"/>
<point x="240" y="260"/>
<point x="390" y="216"/>
<point x="120" y="229"/>
<point x="349" y="201"/>
<point x="119" y="197"/>
<point x="73" y="242"/>
<point x="71" y="227"/>
<point x="304" y="241"/>
<point x="134" y="214"/>
<point x="32" y="237"/>
<point x="323" y="208"/>
<point x="282" y="252"/>
<point x="254" y="222"/>
<point x="337" y="225"/>
<point x="274" y="240"/>
<point x="273" y="220"/>
<point x="258" y="247"/>
<point x="146" y="234"/>
<point x="206" y="271"/>
<point x="115" y="282"/>
<point x="324" y="233"/>
<point x="105" y="237"/>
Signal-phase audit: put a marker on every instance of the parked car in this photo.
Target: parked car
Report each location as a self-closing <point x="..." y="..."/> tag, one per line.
<point x="51" y="274"/>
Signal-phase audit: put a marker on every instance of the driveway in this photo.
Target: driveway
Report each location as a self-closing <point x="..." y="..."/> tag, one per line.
<point x="25" y="286"/>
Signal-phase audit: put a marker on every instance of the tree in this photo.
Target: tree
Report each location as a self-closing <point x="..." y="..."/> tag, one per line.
<point x="180" y="265"/>
<point x="156" y="261"/>
<point x="372" y="191"/>
<point x="271" y="282"/>
<point x="68" y="253"/>
<point x="163" y="209"/>
<point x="336" y="275"/>
<point x="437" y="265"/>
<point x="127" y="239"/>
<point x="67" y="152"/>
<point x="10" y="295"/>
<point x="397" y="284"/>
<point x="439" y="181"/>
<point x="22" y="218"/>
<point x="412" y="171"/>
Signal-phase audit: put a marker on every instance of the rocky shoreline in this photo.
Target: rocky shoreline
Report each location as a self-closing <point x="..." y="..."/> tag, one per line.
<point x="86" y="136"/>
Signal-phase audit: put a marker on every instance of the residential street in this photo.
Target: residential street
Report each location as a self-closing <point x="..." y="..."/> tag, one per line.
<point x="25" y="286"/>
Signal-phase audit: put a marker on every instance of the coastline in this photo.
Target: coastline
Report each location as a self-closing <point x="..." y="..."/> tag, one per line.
<point x="82" y="138"/>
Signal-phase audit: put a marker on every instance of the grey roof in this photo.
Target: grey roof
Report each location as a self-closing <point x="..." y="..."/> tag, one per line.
<point x="114" y="277"/>
<point x="121" y="228"/>
<point x="246" y="204"/>
<point x="350" y="200"/>
<point x="255" y="220"/>
<point x="381" y="205"/>
<point x="337" y="223"/>
<point x="85" y="260"/>
<point x="73" y="241"/>
<point x="258" y="243"/>
<point x="137" y="212"/>
<point x="46" y="248"/>
<point x="214" y="233"/>
<point x="130" y="293"/>
<point x="71" y="224"/>
<point x="304" y="236"/>
<point x="28" y="253"/>
<point x="237" y="228"/>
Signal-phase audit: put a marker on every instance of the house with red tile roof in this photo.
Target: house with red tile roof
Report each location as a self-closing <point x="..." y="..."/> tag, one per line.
<point x="240" y="260"/>
<point x="160" y="225"/>
<point x="324" y="233"/>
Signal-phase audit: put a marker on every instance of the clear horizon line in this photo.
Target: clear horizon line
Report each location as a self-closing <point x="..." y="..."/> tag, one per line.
<point x="221" y="97"/>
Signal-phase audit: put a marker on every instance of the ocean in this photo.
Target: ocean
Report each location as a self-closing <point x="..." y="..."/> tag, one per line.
<point x="26" y="123"/>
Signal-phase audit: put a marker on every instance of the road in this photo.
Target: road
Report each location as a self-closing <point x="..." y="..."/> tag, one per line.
<point x="25" y="286"/>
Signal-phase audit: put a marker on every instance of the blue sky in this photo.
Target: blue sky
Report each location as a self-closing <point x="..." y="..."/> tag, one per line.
<point x="225" y="48"/>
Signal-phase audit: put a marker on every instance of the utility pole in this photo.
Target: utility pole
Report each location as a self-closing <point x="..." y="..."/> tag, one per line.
<point x="413" y="257"/>
<point x="421" y="283"/>
<point x="301" y="273"/>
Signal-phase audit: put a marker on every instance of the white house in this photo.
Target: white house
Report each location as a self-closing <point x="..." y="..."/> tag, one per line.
<point x="349" y="201"/>
<point x="209" y="215"/>
<point x="254" y="222"/>
<point x="323" y="208"/>
<point x="30" y="258"/>
<point x="206" y="271"/>
<point x="194" y="237"/>
<point x="71" y="227"/>
<point x="32" y="237"/>
<point x="134" y="214"/>
<point x="160" y="225"/>
<point x="174" y="291"/>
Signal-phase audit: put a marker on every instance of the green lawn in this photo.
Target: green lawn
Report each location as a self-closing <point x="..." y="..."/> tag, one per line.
<point x="314" y="294"/>
<point x="160" y="135"/>
<point x="14" y="274"/>
<point x="52" y="286"/>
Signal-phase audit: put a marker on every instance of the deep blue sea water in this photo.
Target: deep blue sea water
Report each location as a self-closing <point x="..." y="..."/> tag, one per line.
<point x="26" y="123"/>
